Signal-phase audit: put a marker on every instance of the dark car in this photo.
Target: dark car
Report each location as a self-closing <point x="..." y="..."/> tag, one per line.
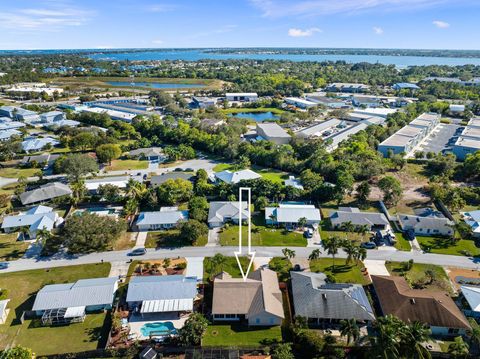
<point x="410" y="234"/>
<point x="308" y="233"/>
<point x="138" y="252"/>
<point x="3" y="265"/>
<point x="368" y="245"/>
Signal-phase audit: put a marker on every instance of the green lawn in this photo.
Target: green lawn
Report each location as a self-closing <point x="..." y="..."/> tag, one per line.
<point x="403" y="244"/>
<point x="12" y="172"/>
<point x="262" y="236"/>
<point x="223" y="167"/>
<point x="353" y="236"/>
<point x="237" y="335"/>
<point x="343" y="273"/>
<point x="230" y="266"/>
<point x="10" y="248"/>
<point x="21" y="288"/>
<point x="124" y="165"/>
<point x="170" y="238"/>
<point x="282" y="266"/>
<point x="274" y="110"/>
<point x="417" y="274"/>
<point x="446" y="246"/>
<point x="273" y="175"/>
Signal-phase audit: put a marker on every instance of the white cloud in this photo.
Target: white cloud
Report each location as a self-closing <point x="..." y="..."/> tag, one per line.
<point x="441" y="24"/>
<point x="303" y="33"/>
<point x="285" y="8"/>
<point x="377" y="30"/>
<point x="161" y="7"/>
<point x="48" y="18"/>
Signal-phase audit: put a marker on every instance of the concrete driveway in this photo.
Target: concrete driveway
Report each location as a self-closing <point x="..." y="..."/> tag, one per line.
<point x="376" y="267"/>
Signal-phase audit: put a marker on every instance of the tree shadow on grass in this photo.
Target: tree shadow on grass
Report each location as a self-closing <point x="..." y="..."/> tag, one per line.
<point x="339" y="268"/>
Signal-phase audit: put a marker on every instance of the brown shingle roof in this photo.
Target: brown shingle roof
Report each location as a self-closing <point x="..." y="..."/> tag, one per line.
<point x="434" y="308"/>
<point x="260" y="292"/>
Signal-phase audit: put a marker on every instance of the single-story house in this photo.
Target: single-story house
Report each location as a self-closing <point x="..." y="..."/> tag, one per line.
<point x="52" y="116"/>
<point x="8" y="124"/>
<point x="69" y="302"/>
<point x="45" y="193"/>
<point x="222" y="212"/>
<point x="426" y="226"/>
<point x="258" y="300"/>
<point x="472" y="218"/>
<point x="321" y="302"/>
<point x="162" y="178"/>
<point x="433" y="308"/>
<point x="472" y="297"/>
<point x="36" y="218"/>
<point x="151" y="154"/>
<point x="237" y="176"/>
<point x="7" y="134"/>
<point x="273" y="132"/>
<point x="293" y="182"/>
<point x="288" y="215"/>
<point x="3" y="310"/>
<point x="167" y="217"/>
<point x="121" y="182"/>
<point x="35" y="144"/>
<point x="159" y="294"/>
<point x="45" y="159"/>
<point x="373" y="220"/>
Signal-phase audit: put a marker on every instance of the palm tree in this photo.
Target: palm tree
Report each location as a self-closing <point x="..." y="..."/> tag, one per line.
<point x="332" y="245"/>
<point x="288" y="253"/>
<point x="412" y="338"/>
<point x="43" y="235"/>
<point x="349" y="329"/>
<point x="217" y="263"/>
<point x="474" y="335"/>
<point x="302" y="222"/>
<point x="348" y="226"/>
<point x="458" y="349"/>
<point x="135" y="190"/>
<point x="78" y="191"/>
<point x="360" y="255"/>
<point x="385" y="342"/>
<point x="350" y="249"/>
<point x="314" y="255"/>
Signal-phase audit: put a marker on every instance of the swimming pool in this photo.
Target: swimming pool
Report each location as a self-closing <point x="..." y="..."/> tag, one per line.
<point x="158" y="329"/>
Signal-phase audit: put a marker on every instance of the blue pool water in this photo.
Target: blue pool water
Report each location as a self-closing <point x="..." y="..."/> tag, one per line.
<point x="158" y="328"/>
<point x="155" y="85"/>
<point x="100" y="209"/>
<point x="256" y="116"/>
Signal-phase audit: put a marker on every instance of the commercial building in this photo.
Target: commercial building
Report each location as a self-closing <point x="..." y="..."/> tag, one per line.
<point x="329" y="102"/>
<point x="370" y="112"/>
<point x="469" y="141"/>
<point x="321" y="302"/>
<point x="347" y="87"/>
<point x="166" y="218"/>
<point x="405" y="86"/>
<point x="258" y="300"/>
<point x="319" y="129"/>
<point x="300" y="102"/>
<point x="203" y="102"/>
<point x="114" y="114"/>
<point x="242" y="96"/>
<point x="408" y="137"/>
<point x="273" y="132"/>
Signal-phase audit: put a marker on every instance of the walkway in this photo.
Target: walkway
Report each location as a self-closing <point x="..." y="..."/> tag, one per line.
<point x="119" y="269"/>
<point x="376" y="267"/>
<point x="259" y="262"/>
<point x="141" y="238"/>
<point x="213" y="237"/>
<point x="195" y="267"/>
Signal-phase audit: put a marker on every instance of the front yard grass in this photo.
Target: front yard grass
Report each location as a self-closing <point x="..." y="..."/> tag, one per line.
<point x="13" y="172"/>
<point x="238" y="335"/>
<point x="262" y="236"/>
<point x="343" y="272"/>
<point x="442" y="245"/>
<point x="124" y="165"/>
<point x="402" y="244"/>
<point x="10" y="248"/>
<point x="353" y="236"/>
<point x="417" y="275"/>
<point x="169" y="239"/>
<point x="21" y="288"/>
<point x="230" y="266"/>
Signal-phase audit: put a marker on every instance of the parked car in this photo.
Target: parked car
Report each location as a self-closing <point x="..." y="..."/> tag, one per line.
<point x="138" y="252"/>
<point x="308" y="233"/>
<point x="4" y="265"/>
<point x="368" y="245"/>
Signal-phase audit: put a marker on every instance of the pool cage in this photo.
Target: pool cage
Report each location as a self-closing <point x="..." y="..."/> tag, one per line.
<point x="63" y="316"/>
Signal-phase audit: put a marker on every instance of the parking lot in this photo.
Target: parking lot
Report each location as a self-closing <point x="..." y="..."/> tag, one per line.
<point x="442" y="138"/>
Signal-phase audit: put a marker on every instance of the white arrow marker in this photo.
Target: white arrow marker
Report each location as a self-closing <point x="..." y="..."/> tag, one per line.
<point x="249" y="252"/>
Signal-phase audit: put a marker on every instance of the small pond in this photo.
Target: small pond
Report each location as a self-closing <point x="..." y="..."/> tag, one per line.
<point x="256" y="116"/>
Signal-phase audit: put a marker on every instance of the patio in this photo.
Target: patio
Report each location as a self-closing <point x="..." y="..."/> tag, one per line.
<point x="137" y="321"/>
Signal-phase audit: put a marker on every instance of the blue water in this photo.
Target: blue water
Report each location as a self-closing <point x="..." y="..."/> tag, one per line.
<point x="158" y="328"/>
<point x="256" y="116"/>
<point x="196" y="55"/>
<point x="155" y="85"/>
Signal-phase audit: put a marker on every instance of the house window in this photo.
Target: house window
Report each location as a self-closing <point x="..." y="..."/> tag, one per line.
<point x="453" y="330"/>
<point x="230" y="316"/>
<point x="257" y="320"/>
<point x="219" y="316"/>
<point x="271" y="320"/>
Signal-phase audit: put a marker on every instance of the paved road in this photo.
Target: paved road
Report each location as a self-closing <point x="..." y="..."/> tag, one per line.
<point x="118" y="256"/>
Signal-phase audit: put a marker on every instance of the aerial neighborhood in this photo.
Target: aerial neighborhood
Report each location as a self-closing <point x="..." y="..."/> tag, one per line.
<point x="269" y="209"/>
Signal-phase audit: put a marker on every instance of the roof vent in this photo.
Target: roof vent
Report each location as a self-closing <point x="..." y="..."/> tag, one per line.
<point x="412" y="300"/>
<point x="324" y="296"/>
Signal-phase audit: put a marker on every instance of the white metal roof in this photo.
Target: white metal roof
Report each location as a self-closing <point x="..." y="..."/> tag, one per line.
<point x="74" y="312"/>
<point x="167" y="305"/>
<point x="472" y="295"/>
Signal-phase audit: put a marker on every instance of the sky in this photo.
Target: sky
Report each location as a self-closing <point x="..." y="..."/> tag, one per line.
<point x="69" y="24"/>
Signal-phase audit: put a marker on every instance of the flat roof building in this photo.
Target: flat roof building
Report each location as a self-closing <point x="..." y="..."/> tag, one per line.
<point x="469" y="141"/>
<point x="347" y="87"/>
<point x="300" y="102"/>
<point x="273" y="132"/>
<point x="242" y="96"/>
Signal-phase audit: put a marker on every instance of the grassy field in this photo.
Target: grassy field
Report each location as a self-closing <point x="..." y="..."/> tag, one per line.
<point x="262" y="236"/>
<point x="123" y="165"/>
<point x="237" y="335"/>
<point x="343" y="273"/>
<point x="441" y="245"/>
<point x="12" y="172"/>
<point x="10" y="248"/>
<point x="273" y="175"/>
<point x="9" y="189"/>
<point x="170" y="238"/>
<point x="402" y="244"/>
<point x="126" y="241"/>
<point x="274" y="110"/>
<point x="417" y="274"/>
<point x="230" y="266"/>
<point x="21" y="288"/>
<point x="353" y="236"/>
